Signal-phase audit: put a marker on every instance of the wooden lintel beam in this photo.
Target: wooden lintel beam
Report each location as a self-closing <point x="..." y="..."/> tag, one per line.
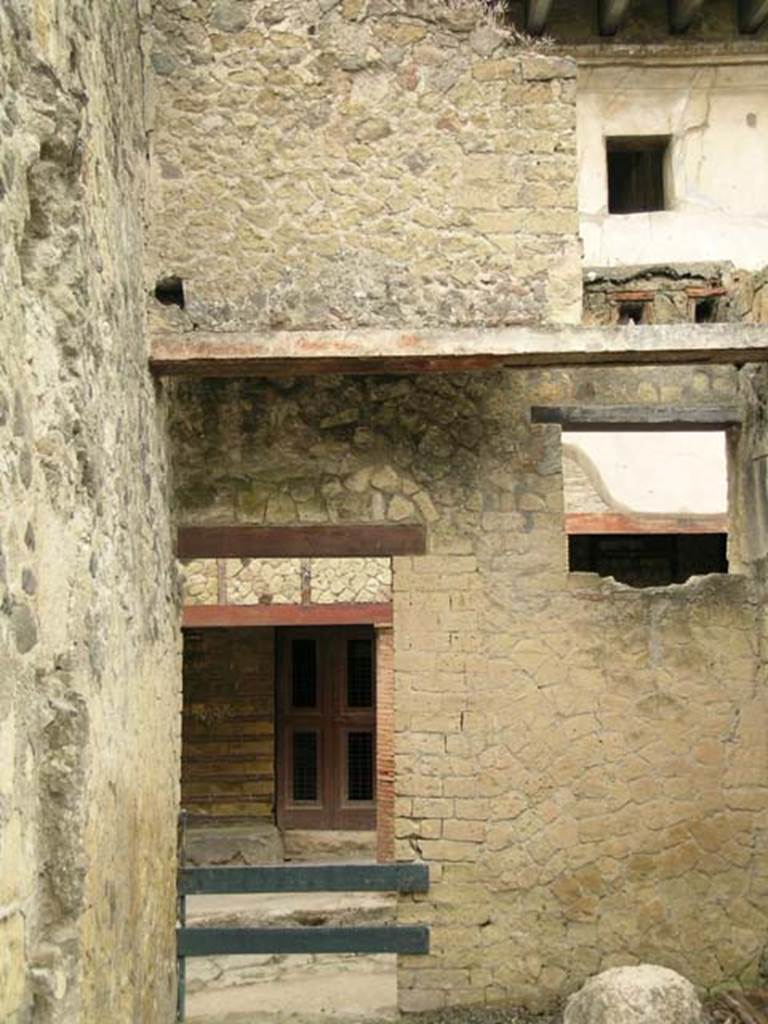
<point x="752" y="15"/>
<point x="580" y="523"/>
<point x="637" y="417"/>
<point x="611" y="15"/>
<point x="348" y="541"/>
<point x="682" y="14"/>
<point x="536" y="14"/>
<point x="450" y="349"/>
<point x="248" y="616"/>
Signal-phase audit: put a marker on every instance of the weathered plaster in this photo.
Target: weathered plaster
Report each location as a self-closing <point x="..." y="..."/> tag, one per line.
<point x="683" y="472"/>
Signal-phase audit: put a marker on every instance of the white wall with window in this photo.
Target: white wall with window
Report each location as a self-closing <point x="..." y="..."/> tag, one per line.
<point x="715" y="167"/>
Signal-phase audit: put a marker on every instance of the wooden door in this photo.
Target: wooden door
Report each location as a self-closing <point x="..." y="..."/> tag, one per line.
<point x="326" y="700"/>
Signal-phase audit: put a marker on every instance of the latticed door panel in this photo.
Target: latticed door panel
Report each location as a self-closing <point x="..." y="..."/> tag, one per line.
<point x="327" y="728"/>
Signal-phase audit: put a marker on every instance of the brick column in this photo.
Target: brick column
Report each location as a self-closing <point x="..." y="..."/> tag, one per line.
<point x="385" y="744"/>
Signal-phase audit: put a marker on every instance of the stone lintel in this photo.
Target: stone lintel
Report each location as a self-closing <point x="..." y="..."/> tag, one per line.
<point x="373" y="350"/>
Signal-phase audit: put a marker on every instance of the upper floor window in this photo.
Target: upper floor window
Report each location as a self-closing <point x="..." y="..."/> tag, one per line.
<point x="636" y="173"/>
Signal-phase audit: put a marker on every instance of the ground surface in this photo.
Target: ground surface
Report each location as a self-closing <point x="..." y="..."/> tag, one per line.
<point x="455" y="1016"/>
<point x="716" y="1013"/>
<point x="342" y="989"/>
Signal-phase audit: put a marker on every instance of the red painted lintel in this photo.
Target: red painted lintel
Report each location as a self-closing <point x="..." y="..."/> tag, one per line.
<point x="209" y="616"/>
<point x="616" y="522"/>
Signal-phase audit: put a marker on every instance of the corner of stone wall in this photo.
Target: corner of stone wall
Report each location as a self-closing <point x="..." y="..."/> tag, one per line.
<point x="89" y="711"/>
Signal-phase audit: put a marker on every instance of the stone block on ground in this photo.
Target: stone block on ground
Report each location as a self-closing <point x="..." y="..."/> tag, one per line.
<point x="646" y="994"/>
<point x="255" y="843"/>
<point x="336" y="845"/>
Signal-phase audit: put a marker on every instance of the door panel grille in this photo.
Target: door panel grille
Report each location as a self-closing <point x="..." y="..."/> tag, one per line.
<point x="304" y="674"/>
<point x="360" y="766"/>
<point x="305" y="771"/>
<point x="359" y="673"/>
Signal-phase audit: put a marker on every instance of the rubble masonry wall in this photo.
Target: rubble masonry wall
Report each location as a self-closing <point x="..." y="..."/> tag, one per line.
<point x="90" y="685"/>
<point x="360" y="164"/>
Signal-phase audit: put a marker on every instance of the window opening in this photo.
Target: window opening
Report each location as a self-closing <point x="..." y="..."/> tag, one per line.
<point x="636" y="179"/>
<point x="649" y="559"/>
<point x="633" y="312"/>
<point x="646" y="506"/>
<point x="705" y="310"/>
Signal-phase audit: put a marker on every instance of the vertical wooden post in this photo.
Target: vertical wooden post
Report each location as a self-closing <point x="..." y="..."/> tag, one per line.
<point x="385" y="743"/>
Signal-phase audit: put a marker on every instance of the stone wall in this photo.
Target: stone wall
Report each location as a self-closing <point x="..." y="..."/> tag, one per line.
<point x="582" y="765"/>
<point x="286" y="581"/>
<point x="89" y="668"/>
<point x="361" y="163"/>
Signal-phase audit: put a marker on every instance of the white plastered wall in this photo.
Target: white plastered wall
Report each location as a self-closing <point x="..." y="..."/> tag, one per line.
<point x="717" y="117"/>
<point x="676" y="473"/>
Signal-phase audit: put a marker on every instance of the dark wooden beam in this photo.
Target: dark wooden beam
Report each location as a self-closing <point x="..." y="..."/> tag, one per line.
<point x="637" y="417"/>
<point x="411" y="939"/>
<point x="348" y="541"/>
<point x="404" y="877"/>
<point x="244" y="616"/>
<point x="682" y="14"/>
<point x="611" y="15"/>
<point x="752" y="15"/>
<point x="620" y="522"/>
<point x="536" y="14"/>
